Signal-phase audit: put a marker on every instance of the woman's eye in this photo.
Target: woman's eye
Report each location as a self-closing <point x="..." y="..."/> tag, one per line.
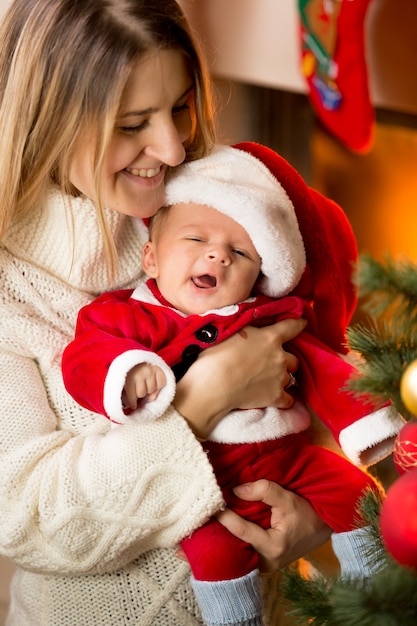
<point x="131" y="130"/>
<point x="180" y="108"/>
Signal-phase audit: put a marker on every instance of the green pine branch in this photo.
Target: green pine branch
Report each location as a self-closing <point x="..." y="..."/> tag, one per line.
<point x="389" y="598"/>
<point x="386" y="350"/>
<point x="389" y="286"/>
<point x="387" y="342"/>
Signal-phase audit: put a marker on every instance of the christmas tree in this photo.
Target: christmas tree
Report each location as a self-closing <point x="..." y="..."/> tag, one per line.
<point x="387" y="342"/>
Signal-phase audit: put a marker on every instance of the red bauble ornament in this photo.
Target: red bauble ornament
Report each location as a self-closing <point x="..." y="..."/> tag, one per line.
<point x="405" y="448"/>
<point x="398" y="520"/>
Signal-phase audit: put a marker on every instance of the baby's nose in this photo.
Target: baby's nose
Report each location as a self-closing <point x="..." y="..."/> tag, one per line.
<point x="219" y="254"/>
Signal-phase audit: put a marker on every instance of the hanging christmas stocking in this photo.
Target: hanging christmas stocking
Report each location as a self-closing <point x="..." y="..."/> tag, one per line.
<point x="334" y="64"/>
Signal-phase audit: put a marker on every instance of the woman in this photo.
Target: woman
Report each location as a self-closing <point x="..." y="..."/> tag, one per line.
<point x="98" y="99"/>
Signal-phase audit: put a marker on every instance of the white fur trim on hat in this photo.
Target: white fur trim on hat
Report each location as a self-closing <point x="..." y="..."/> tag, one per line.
<point x="243" y="188"/>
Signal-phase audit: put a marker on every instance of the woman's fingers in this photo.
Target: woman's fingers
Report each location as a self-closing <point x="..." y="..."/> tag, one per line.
<point x="285" y="363"/>
<point x="247" y="531"/>
<point x="295" y="528"/>
<point x="247" y="370"/>
<point x="288" y="329"/>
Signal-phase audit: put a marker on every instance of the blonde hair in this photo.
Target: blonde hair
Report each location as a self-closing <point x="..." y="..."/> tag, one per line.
<point x="63" y="68"/>
<point x="157" y="221"/>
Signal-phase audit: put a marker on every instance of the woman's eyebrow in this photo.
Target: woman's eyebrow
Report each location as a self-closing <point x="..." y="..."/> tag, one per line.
<point x="138" y="113"/>
<point x="153" y="109"/>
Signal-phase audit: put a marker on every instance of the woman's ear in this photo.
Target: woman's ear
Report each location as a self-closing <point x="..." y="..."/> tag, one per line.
<point x="149" y="262"/>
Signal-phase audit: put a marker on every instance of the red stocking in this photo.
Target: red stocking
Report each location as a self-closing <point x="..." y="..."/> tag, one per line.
<point x="334" y="64"/>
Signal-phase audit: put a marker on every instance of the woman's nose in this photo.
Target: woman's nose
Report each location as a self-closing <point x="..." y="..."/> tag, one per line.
<point x="167" y="143"/>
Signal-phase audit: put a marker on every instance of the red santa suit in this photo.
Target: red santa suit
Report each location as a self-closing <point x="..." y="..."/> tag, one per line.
<point x="122" y="329"/>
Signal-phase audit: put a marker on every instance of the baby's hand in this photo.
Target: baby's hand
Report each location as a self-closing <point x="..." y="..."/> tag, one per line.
<point x="143" y="381"/>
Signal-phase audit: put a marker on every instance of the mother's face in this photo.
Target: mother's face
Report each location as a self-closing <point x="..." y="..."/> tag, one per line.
<point x="152" y="125"/>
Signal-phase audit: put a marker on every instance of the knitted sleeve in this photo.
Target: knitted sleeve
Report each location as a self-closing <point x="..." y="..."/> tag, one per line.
<point x="75" y="495"/>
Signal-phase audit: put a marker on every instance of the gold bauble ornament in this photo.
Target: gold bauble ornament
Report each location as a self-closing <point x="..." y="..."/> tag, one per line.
<point x="408" y="387"/>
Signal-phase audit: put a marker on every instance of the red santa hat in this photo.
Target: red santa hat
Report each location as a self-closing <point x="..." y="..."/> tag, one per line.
<point x="240" y="186"/>
<point x="330" y="246"/>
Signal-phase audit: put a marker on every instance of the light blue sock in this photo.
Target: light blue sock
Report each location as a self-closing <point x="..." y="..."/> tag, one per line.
<point x="236" y="602"/>
<point x="356" y="553"/>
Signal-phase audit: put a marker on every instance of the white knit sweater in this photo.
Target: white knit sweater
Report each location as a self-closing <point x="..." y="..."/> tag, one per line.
<point x="90" y="514"/>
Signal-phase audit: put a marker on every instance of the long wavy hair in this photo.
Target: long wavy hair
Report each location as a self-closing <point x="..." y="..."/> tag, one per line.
<point x="63" y="67"/>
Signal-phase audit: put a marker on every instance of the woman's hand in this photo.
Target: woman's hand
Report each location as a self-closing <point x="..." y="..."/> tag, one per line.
<point x="248" y="370"/>
<point x="295" y="528"/>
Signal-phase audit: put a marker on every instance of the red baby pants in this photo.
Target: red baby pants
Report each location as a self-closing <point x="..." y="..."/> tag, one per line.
<point x="327" y="480"/>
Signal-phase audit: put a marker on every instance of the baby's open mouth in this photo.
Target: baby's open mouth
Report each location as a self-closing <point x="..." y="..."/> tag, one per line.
<point x="205" y="281"/>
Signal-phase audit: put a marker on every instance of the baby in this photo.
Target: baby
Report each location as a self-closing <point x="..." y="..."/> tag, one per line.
<point x="226" y="252"/>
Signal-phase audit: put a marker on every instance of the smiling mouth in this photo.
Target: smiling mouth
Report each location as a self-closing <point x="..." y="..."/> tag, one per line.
<point x="144" y="173"/>
<point x="205" y="281"/>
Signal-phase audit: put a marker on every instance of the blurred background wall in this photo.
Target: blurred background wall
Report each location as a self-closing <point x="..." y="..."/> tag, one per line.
<point x="253" y="50"/>
<point x="254" y="54"/>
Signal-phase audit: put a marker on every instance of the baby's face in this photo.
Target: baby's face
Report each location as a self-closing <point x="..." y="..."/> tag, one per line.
<point x="202" y="259"/>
